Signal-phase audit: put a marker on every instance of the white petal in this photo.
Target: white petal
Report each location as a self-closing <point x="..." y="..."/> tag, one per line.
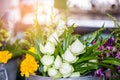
<point x="52" y="72"/>
<point x="66" y="69"/>
<point x="42" y="48"/>
<point x="58" y="62"/>
<point x="49" y="48"/>
<point x="45" y="68"/>
<point x="75" y="74"/>
<point x="60" y="28"/>
<point x="77" y="47"/>
<point x="66" y="75"/>
<point x="53" y="38"/>
<point x="47" y="60"/>
<point x="60" y="32"/>
<point x="69" y="57"/>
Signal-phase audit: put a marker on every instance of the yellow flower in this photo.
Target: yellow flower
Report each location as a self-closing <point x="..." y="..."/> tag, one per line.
<point x="29" y="64"/>
<point x="32" y="49"/>
<point x="5" y="56"/>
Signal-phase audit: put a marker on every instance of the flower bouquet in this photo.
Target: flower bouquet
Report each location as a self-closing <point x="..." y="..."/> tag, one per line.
<point x="62" y="55"/>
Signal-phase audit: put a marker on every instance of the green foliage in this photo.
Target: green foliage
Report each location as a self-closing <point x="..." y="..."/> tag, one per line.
<point x="116" y="31"/>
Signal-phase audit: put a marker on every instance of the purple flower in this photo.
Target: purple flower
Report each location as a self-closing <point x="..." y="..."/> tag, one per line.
<point x="101" y="48"/>
<point x="93" y="42"/>
<point x="108" y="73"/>
<point x="110" y="42"/>
<point x="98" y="73"/>
<point x="117" y="55"/>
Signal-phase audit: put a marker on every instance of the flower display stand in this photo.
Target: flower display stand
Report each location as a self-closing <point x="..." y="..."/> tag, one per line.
<point x="35" y="77"/>
<point x="8" y="71"/>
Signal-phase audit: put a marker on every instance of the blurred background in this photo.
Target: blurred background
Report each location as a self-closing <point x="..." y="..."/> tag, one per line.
<point x="19" y="15"/>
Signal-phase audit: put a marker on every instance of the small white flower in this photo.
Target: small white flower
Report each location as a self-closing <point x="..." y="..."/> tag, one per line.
<point x="52" y="72"/>
<point x="66" y="69"/>
<point x="69" y="57"/>
<point x="77" y="47"/>
<point x="57" y="62"/>
<point x="49" y="48"/>
<point x="47" y="60"/>
<point x="60" y="28"/>
<point x="75" y="74"/>
<point x="45" y="68"/>
<point x="42" y="48"/>
<point x="53" y="38"/>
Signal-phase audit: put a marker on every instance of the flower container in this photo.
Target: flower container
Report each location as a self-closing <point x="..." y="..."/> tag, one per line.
<point x="35" y="77"/>
<point x="8" y="71"/>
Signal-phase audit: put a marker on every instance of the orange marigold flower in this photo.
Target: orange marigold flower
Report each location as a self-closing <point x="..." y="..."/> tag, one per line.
<point x="5" y="56"/>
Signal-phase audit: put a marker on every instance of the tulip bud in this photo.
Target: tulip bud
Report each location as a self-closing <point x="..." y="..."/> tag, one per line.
<point x="53" y="38"/>
<point x="42" y="48"/>
<point x="69" y="57"/>
<point x="77" y="47"/>
<point x="47" y="60"/>
<point x="66" y="69"/>
<point x="58" y="62"/>
<point x="45" y="68"/>
<point x="60" y="28"/>
<point x="52" y="72"/>
<point x="49" y="48"/>
<point x="75" y="74"/>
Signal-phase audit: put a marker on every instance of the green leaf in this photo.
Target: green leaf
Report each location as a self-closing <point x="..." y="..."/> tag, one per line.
<point x="90" y="50"/>
<point x="68" y="37"/>
<point x="112" y="61"/>
<point x="96" y="53"/>
<point x="103" y="65"/>
<point x="36" y="56"/>
<point x="81" y="69"/>
<point x="85" y="59"/>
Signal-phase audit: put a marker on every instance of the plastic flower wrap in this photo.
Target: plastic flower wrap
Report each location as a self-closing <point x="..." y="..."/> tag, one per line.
<point x="65" y="54"/>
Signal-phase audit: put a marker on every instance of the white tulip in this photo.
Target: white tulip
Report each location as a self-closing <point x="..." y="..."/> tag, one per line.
<point x="45" y="68"/>
<point x="47" y="60"/>
<point x="53" y="38"/>
<point x="57" y="62"/>
<point x="60" y="28"/>
<point x="77" y="47"/>
<point x="66" y="69"/>
<point x="49" y="48"/>
<point x="60" y="31"/>
<point x="42" y="48"/>
<point x="52" y="72"/>
<point x="69" y="57"/>
<point x="75" y="74"/>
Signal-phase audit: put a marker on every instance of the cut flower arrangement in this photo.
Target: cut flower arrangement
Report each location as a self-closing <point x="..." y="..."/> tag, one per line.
<point x="59" y="53"/>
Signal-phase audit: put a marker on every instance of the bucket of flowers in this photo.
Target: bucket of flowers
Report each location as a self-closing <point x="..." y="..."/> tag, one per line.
<point x="8" y="55"/>
<point x="59" y="54"/>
